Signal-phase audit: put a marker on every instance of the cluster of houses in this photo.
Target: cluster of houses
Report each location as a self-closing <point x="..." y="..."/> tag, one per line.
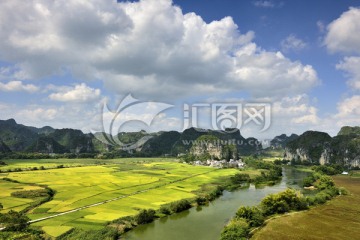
<point x="221" y="163"/>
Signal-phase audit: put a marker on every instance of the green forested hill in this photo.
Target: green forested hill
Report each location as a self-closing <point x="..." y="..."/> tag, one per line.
<point x="319" y="147"/>
<point x="346" y="130"/>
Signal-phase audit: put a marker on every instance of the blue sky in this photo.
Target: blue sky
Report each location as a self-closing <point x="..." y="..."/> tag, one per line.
<point x="61" y="62"/>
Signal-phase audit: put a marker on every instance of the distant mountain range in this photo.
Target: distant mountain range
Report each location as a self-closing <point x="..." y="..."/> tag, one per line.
<point x="20" y="138"/>
<point x="16" y="137"/>
<point x="310" y="147"/>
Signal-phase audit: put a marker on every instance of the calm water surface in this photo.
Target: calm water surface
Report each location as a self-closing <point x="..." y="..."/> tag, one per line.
<point x="206" y="223"/>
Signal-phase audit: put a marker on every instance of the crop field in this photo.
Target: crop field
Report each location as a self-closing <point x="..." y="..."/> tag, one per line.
<point x="130" y="185"/>
<point x="54" y="163"/>
<point x="10" y="202"/>
<point x="337" y="219"/>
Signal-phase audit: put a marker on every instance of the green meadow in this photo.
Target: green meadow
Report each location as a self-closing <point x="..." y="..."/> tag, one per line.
<point x="138" y="183"/>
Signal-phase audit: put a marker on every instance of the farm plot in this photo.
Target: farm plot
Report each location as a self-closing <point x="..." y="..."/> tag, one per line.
<point x="137" y="185"/>
<point x="13" y="203"/>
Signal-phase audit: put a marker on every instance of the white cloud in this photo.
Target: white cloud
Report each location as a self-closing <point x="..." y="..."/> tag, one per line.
<point x="295" y="114"/>
<point x="349" y="111"/>
<point x="342" y="35"/>
<point x="264" y="4"/>
<point x="149" y="48"/>
<point x="351" y="65"/>
<point x="296" y="110"/>
<point x="80" y="93"/>
<point x="292" y="43"/>
<point x="18" y="86"/>
<point x="38" y="114"/>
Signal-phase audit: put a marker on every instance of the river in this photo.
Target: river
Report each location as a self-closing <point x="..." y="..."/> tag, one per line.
<point x="206" y="223"/>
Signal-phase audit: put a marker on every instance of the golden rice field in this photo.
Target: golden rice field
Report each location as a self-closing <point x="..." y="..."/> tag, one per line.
<point x="142" y="183"/>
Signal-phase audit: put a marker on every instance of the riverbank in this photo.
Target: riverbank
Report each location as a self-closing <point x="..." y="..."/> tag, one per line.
<point x="206" y="222"/>
<point x="337" y="219"/>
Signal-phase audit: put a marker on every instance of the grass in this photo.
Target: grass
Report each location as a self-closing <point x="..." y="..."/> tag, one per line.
<point x="337" y="219"/>
<point x="270" y="159"/>
<point x="278" y="153"/>
<point x="164" y="180"/>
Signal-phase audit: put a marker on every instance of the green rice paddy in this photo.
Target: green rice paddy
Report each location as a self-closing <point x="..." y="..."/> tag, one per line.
<point x="142" y="184"/>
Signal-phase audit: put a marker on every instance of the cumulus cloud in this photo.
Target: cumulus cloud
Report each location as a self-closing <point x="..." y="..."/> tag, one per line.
<point x="38" y="114"/>
<point x="292" y="43"/>
<point x="150" y="48"/>
<point x="342" y="37"/>
<point x="297" y="109"/>
<point x="351" y="65"/>
<point x="349" y="111"/>
<point x="295" y="114"/>
<point x="342" y="33"/>
<point x="79" y="93"/>
<point x="18" y="86"/>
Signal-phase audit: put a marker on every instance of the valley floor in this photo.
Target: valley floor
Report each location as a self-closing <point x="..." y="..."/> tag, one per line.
<point x="337" y="219"/>
<point x="131" y="185"/>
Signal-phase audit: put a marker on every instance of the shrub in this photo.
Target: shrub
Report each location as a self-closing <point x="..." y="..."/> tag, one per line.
<point x="343" y="191"/>
<point x="237" y="229"/>
<point x="201" y="201"/>
<point x="324" y="182"/>
<point x="164" y="210"/>
<point x="309" y="180"/>
<point x="33" y="193"/>
<point x="145" y="216"/>
<point x="215" y="193"/>
<point x="14" y="221"/>
<point x="283" y="202"/>
<point x="253" y="216"/>
<point x="180" y="206"/>
<point x="320" y="198"/>
<point x="106" y="233"/>
<point x="240" y="178"/>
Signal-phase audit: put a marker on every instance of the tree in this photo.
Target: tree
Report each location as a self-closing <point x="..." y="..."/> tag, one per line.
<point x="283" y="202"/>
<point x="253" y="215"/>
<point x="165" y="210"/>
<point x="145" y="216"/>
<point x="324" y="182"/>
<point x="180" y="206"/>
<point x="240" y="178"/>
<point x="200" y="201"/>
<point x="14" y="221"/>
<point x="1" y="206"/>
<point x="237" y="229"/>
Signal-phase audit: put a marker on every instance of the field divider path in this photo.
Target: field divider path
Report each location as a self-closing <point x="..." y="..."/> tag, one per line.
<point x="117" y="198"/>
